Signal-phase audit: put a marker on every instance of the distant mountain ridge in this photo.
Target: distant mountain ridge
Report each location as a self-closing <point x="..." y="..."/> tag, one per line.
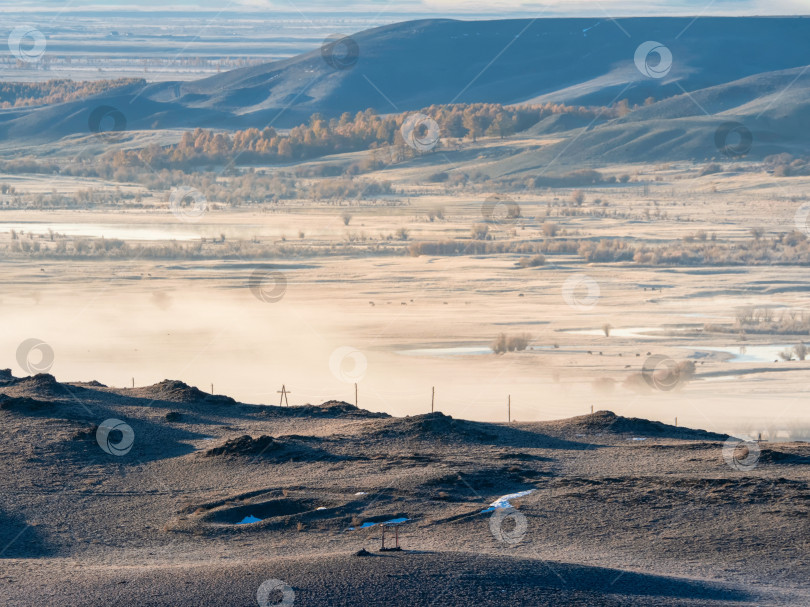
<point x="408" y="66"/>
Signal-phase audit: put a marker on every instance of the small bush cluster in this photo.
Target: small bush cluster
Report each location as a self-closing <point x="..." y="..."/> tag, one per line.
<point x="511" y="343"/>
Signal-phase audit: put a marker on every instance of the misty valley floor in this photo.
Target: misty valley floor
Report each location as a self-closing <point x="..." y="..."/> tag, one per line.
<point x="612" y="520"/>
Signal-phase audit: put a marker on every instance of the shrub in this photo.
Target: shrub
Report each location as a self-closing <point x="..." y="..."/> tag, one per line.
<point x="550" y="229"/>
<point x="510" y="343"/>
<point x="439" y="177"/>
<point x="480" y="231"/>
<point x="532" y="262"/>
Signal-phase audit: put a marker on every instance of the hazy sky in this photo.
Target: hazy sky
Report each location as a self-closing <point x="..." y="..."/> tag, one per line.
<point x="433" y="7"/>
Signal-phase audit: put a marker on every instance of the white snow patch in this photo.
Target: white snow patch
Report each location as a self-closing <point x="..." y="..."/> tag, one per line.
<point x="503" y="502"/>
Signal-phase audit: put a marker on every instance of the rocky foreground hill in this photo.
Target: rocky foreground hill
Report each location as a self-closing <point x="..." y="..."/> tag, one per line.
<point x="165" y="495"/>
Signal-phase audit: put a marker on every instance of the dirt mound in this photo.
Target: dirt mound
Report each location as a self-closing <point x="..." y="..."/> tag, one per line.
<point x="436" y="424"/>
<point x="10" y="403"/>
<point x="42" y="385"/>
<point x="246" y="445"/>
<point x="610" y="423"/>
<point x="90" y="384"/>
<point x="179" y="392"/>
<point x="772" y="456"/>
<point x="340" y="408"/>
<point x="269" y="447"/>
<point x="333" y="409"/>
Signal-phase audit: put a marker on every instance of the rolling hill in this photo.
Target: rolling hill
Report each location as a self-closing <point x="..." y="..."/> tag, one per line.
<point x="743" y="69"/>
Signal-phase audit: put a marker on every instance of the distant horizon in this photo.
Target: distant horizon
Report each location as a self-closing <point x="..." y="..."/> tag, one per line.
<point x="432" y="9"/>
<point x="408" y="14"/>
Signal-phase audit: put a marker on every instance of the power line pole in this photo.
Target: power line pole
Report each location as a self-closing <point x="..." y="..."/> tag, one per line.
<point x="283" y="398"/>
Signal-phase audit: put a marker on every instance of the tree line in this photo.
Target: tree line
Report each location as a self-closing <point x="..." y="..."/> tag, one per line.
<point x="350" y="133"/>
<point x="24" y="94"/>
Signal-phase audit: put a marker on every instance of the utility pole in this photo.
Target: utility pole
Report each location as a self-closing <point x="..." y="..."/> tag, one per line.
<point x="355" y="395"/>
<point x="432" y="398"/>
<point x="509" y="407"/>
<point x="283" y="398"/>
